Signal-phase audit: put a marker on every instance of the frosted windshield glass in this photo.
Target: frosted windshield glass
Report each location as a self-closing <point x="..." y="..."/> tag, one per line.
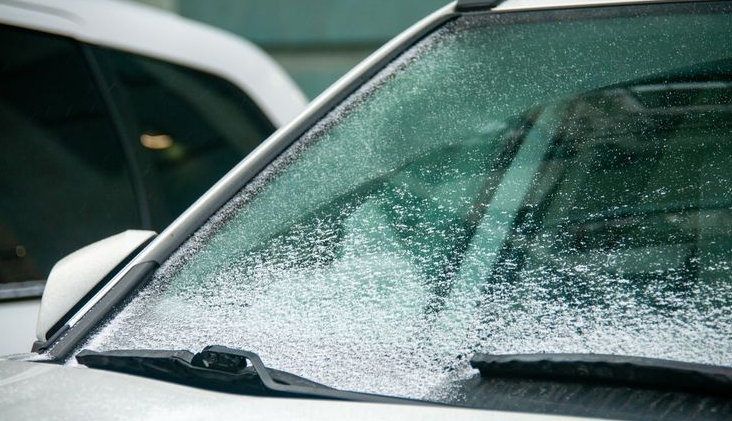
<point x="510" y="184"/>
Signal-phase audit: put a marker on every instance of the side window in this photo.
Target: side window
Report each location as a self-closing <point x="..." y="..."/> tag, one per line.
<point x="189" y="127"/>
<point x="64" y="182"/>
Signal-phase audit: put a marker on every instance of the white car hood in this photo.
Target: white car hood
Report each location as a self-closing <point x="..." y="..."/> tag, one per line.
<point x="33" y="391"/>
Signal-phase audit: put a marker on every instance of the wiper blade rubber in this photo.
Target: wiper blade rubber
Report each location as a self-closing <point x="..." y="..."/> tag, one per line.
<point x="602" y="369"/>
<point x="223" y="369"/>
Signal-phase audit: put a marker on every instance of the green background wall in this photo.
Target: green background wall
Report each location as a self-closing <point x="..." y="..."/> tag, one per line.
<point x="316" y="41"/>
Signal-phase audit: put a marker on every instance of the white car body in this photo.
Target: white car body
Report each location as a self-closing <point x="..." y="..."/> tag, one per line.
<point x="161" y="35"/>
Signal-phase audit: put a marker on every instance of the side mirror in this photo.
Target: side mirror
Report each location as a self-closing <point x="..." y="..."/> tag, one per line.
<point x="75" y="275"/>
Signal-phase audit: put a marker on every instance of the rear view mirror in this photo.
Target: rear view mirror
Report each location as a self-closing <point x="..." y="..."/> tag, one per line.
<point x="77" y="274"/>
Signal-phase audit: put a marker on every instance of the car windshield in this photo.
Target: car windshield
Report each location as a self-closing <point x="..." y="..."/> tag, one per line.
<point x="554" y="181"/>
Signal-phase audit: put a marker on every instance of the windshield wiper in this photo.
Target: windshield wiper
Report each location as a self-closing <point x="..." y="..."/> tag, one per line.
<point x="223" y="369"/>
<point x="615" y="370"/>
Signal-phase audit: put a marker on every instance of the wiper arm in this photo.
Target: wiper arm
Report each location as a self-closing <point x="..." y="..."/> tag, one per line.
<point x="601" y="369"/>
<point x="223" y="369"/>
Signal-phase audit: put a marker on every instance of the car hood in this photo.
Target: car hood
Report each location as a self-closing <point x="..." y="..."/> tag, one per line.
<point x="38" y="391"/>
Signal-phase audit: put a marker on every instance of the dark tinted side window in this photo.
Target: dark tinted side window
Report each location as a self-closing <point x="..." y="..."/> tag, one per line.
<point x="188" y="127"/>
<point x="64" y="181"/>
<point x="64" y="175"/>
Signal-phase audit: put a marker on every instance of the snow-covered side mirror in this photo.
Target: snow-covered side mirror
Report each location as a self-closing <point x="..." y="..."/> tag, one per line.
<point x="78" y="273"/>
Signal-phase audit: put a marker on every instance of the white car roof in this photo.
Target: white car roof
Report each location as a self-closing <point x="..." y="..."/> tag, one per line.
<point x="163" y="35"/>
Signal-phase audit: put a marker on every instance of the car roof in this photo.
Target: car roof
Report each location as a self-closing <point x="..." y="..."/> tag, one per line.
<point x="163" y="35"/>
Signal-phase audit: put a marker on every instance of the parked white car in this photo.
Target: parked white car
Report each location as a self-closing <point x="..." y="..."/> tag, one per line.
<point x="511" y="211"/>
<point x="114" y="115"/>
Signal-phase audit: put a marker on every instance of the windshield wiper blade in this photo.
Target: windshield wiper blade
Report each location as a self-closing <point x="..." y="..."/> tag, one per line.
<point x="223" y="369"/>
<point x="599" y="369"/>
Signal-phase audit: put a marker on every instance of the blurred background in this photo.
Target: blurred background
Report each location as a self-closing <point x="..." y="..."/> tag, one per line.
<point x="316" y="41"/>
